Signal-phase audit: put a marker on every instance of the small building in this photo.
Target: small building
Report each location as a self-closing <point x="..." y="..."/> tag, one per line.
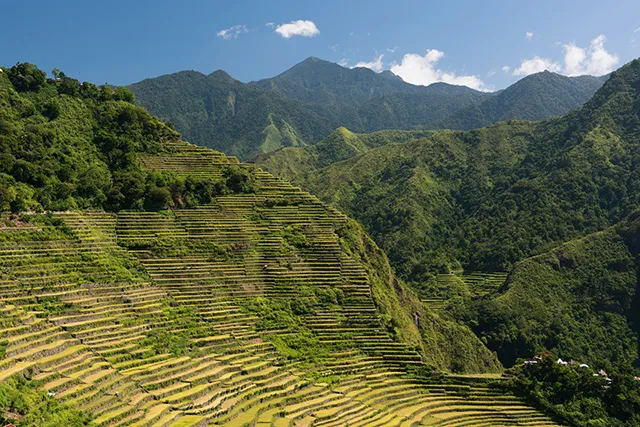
<point x="543" y="355"/>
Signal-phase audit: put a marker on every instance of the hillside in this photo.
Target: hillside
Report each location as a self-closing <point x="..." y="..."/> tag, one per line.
<point x="486" y="198"/>
<point x="208" y="291"/>
<point x="305" y="103"/>
<point x="535" y="97"/>
<point x="585" y="289"/>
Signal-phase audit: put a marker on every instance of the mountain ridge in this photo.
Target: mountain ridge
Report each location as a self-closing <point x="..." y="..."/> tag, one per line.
<point x="305" y="103"/>
<point x="487" y="199"/>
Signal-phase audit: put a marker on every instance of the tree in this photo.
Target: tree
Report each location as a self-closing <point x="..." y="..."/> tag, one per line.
<point x="158" y="198"/>
<point x="25" y="76"/>
<point x="51" y="109"/>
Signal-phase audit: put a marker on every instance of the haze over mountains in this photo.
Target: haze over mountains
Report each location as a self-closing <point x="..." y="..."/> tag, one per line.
<point x="305" y="103"/>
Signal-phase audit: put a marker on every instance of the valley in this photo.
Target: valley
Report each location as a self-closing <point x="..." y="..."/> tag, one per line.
<point x="332" y="246"/>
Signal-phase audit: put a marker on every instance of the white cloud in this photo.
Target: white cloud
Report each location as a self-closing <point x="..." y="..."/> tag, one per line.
<point x="593" y="60"/>
<point x="536" y="65"/>
<point x="574" y="58"/>
<point x="376" y="64"/>
<point x="421" y="70"/>
<point x="528" y="35"/>
<point x="270" y="25"/>
<point x="506" y="68"/>
<point x="233" y="32"/>
<point x="343" y="62"/>
<point x="298" y="28"/>
<point x="491" y="73"/>
<point x="392" y="50"/>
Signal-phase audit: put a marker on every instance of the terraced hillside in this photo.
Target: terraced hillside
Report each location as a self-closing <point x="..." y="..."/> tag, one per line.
<point x="250" y="310"/>
<point x="465" y="284"/>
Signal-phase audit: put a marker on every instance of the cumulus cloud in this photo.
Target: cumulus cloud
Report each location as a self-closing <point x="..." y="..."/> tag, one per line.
<point x="593" y="60"/>
<point x="232" y="32"/>
<point x="528" y="35"/>
<point x="536" y="65"/>
<point x="298" y="28"/>
<point x="376" y="64"/>
<point x="343" y="62"/>
<point x="506" y="68"/>
<point x="421" y="70"/>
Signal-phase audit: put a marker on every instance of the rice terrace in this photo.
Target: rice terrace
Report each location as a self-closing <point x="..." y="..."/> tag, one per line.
<point x="394" y="242"/>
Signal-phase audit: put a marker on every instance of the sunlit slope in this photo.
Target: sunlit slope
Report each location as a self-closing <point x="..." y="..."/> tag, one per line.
<point x="253" y="310"/>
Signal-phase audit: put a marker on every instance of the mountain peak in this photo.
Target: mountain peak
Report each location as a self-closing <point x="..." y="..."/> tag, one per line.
<point x="220" y="74"/>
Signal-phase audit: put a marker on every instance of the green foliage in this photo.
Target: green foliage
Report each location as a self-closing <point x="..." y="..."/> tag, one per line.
<point x="579" y="300"/>
<point x="295" y="237"/>
<point x="179" y="339"/>
<point x="66" y="145"/>
<point x="238" y="180"/>
<point x="24" y="404"/>
<point x="442" y="341"/>
<point x="295" y="340"/>
<point x="487" y="198"/>
<point x="304" y="104"/>
<point x="575" y="397"/>
<point x="535" y="97"/>
<point x="26" y="77"/>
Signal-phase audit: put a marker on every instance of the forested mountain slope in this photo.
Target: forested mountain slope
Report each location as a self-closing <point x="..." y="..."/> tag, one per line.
<point x="304" y="104"/>
<point x="579" y="300"/>
<point x="208" y="291"/>
<point x="486" y="198"/>
<point x="535" y="97"/>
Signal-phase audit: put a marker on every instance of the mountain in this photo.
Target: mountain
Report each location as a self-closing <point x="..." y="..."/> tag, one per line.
<point x="488" y="199"/>
<point x="323" y="82"/>
<point x="305" y="103"/>
<point x="223" y="113"/>
<point x="535" y="97"/>
<point x="472" y="176"/>
<point x="579" y="300"/>
<point x="149" y="281"/>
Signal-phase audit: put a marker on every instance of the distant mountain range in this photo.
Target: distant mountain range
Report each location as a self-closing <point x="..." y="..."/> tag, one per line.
<point x="305" y="103"/>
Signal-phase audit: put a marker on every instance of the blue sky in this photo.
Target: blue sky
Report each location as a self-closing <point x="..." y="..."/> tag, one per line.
<point x="486" y="45"/>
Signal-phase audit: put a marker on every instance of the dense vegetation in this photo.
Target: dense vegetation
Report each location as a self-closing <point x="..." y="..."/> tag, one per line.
<point x="535" y="97"/>
<point x="302" y="105"/>
<point x="577" y="396"/>
<point x="579" y="300"/>
<point x="490" y="198"/>
<point x="484" y="199"/>
<point x="68" y="145"/>
<point x="24" y="404"/>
